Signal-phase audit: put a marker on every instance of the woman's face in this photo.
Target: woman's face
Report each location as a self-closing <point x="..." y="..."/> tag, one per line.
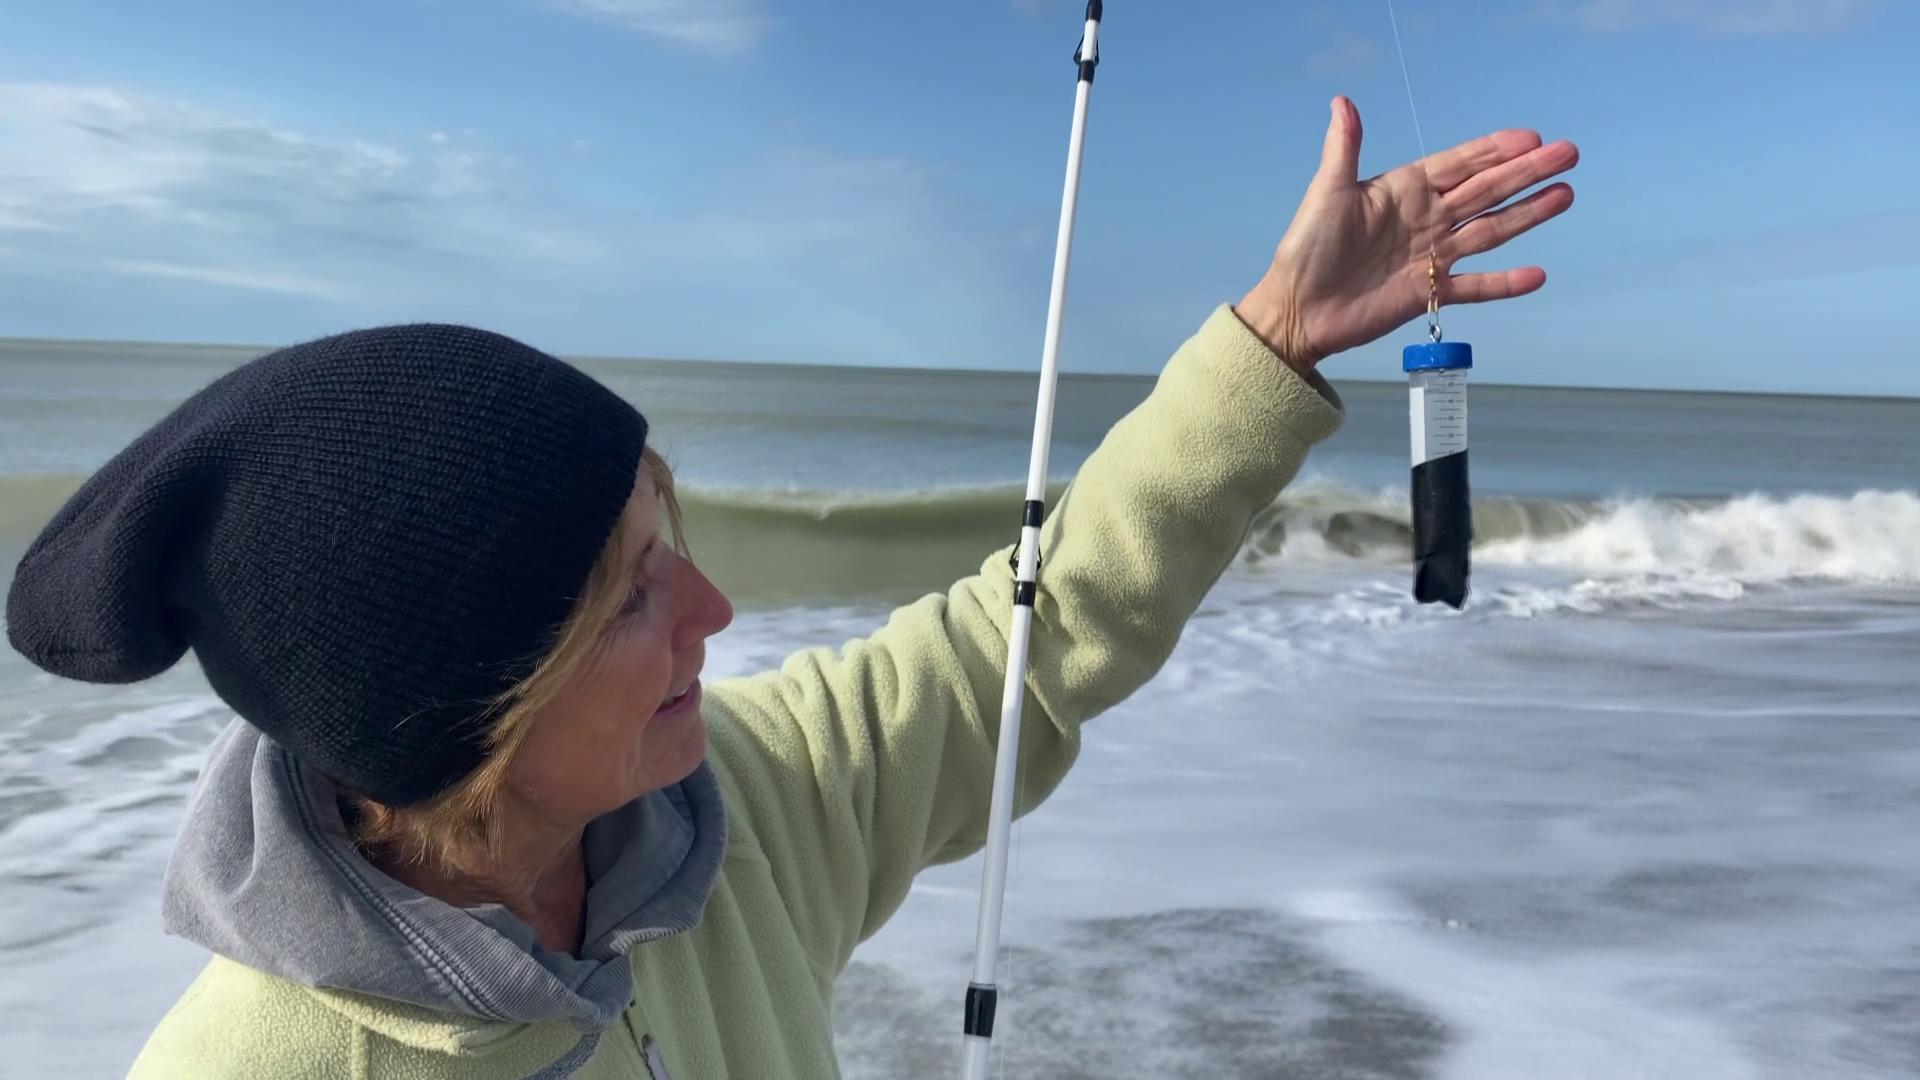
<point x="629" y="722"/>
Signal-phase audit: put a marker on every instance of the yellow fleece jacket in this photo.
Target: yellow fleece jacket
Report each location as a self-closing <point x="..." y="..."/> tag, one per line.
<point x="845" y="773"/>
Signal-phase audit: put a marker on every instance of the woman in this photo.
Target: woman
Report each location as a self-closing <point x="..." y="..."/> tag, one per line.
<point x="478" y="818"/>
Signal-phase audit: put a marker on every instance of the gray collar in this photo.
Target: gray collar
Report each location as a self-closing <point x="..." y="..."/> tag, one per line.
<point x="264" y="874"/>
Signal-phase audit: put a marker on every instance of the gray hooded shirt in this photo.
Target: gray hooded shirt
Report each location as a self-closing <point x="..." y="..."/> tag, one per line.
<point x="264" y="874"/>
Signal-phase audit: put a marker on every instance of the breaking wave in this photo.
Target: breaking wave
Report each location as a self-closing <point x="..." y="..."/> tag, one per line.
<point x="814" y="544"/>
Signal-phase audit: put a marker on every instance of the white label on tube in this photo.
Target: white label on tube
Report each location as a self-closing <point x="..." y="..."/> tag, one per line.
<point x="1438" y="413"/>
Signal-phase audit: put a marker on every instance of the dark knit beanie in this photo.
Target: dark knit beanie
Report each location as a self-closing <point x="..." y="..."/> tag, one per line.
<point x="365" y="539"/>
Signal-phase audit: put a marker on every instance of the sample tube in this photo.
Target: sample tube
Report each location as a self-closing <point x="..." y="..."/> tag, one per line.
<point x="1442" y="512"/>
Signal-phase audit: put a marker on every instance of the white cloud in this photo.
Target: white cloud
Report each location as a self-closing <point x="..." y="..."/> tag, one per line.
<point x="722" y="26"/>
<point x="94" y="178"/>
<point x="100" y="184"/>
<point x="1721" y="17"/>
<point x="253" y="280"/>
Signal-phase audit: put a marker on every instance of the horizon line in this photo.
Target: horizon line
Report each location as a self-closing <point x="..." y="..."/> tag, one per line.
<point x="257" y="349"/>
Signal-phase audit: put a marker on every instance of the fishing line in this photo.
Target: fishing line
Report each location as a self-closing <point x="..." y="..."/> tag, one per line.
<point x="1394" y="20"/>
<point x="1442" y="507"/>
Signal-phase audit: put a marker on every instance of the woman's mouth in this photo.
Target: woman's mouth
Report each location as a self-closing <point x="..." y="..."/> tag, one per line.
<point x="680" y="700"/>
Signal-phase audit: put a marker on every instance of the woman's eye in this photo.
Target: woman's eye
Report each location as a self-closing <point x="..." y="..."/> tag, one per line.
<point x="636" y="600"/>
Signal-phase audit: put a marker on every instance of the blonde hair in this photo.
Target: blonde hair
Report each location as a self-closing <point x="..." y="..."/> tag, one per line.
<point x="460" y="828"/>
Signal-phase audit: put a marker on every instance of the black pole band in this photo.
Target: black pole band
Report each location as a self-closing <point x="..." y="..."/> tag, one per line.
<point x="1032" y="514"/>
<point x="980" y="1003"/>
<point x="1087" y="64"/>
<point x="1442" y="530"/>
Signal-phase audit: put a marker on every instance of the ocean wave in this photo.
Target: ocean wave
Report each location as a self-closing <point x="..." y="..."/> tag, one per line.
<point x="797" y="543"/>
<point x="29" y="500"/>
<point x="1866" y="537"/>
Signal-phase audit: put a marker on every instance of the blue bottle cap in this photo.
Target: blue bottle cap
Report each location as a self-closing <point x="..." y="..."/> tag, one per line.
<point x="1437" y="356"/>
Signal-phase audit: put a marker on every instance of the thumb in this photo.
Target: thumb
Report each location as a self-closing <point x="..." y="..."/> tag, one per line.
<point x="1340" y="156"/>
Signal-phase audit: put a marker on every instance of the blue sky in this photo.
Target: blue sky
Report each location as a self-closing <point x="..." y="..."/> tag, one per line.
<point x="879" y="183"/>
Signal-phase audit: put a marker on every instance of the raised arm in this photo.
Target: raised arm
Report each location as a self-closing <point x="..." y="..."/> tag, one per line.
<point x="858" y="768"/>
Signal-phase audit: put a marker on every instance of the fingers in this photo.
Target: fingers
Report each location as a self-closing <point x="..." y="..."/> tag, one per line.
<point x="1489" y="231"/>
<point x="1490" y="187"/>
<point x="1502" y="285"/>
<point x="1340" y="155"/>
<point x="1448" y="169"/>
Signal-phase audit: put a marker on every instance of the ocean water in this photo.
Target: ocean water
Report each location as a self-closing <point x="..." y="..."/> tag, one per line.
<point x="1649" y="807"/>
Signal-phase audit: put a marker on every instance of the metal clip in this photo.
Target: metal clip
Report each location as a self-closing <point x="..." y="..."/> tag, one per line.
<point x="1433" y="296"/>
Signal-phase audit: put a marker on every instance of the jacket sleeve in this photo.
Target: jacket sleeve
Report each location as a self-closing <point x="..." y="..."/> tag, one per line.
<point x="858" y="768"/>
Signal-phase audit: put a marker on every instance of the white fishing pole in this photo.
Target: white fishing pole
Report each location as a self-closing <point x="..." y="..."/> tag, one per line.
<point x="982" y="993"/>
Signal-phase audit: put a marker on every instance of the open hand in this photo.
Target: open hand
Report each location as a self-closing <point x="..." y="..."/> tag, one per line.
<point x="1353" y="264"/>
